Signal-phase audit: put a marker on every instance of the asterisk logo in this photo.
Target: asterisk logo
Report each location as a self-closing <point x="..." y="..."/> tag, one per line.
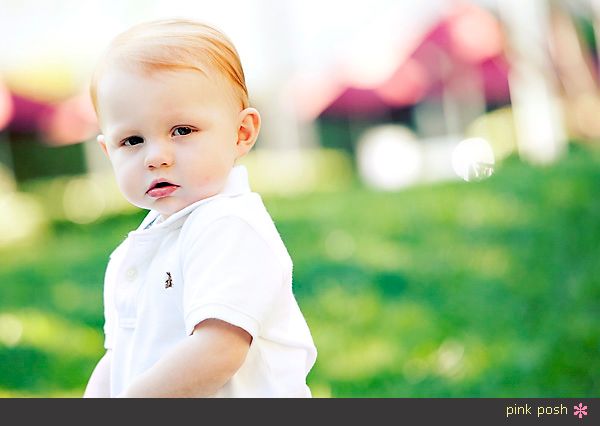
<point x="580" y="410"/>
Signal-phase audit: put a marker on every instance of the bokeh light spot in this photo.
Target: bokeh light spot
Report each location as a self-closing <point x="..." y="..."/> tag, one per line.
<point x="21" y="216"/>
<point x="11" y="329"/>
<point x="473" y="159"/>
<point x="83" y="200"/>
<point x="389" y="157"/>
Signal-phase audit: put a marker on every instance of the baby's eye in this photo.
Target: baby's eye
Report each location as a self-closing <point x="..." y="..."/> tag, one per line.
<point x="182" y="131"/>
<point x="132" y="140"/>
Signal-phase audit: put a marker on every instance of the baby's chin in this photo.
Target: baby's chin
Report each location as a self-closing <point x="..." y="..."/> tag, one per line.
<point x="163" y="206"/>
<point x="170" y="205"/>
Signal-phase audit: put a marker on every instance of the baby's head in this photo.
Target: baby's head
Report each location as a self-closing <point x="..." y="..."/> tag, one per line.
<point x="173" y="108"/>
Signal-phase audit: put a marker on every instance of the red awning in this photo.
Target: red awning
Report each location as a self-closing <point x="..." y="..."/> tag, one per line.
<point x="57" y="123"/>
<point x="466" y="45"/>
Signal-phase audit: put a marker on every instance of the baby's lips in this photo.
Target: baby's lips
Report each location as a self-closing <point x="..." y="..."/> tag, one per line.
<point x="160" y="183"/>
<point x="162" y="191"/>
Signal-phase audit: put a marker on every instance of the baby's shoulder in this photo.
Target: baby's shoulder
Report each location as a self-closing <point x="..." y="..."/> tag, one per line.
<point x="247" y="207"/>
<point x="233" y="218"/>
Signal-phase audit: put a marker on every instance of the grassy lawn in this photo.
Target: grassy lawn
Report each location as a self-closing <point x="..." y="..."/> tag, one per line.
<point x="487" y="289"/>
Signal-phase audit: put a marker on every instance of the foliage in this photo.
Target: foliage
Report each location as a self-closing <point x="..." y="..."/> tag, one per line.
<point x="486" y="289"/>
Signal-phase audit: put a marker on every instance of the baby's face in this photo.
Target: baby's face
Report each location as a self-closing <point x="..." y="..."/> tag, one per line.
<point x="170" y="136"/>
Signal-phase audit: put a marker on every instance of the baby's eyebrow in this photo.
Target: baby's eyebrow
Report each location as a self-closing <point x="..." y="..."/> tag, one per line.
<point x="183" y="118"/>
<point x="118" y="134"/>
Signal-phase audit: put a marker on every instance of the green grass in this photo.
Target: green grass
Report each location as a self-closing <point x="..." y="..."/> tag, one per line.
<point x="488" y="289"/>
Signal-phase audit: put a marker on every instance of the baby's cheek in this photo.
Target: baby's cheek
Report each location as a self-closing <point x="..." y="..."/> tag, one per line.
<point x="215" y="181"/>
<point x="129" y="182"/>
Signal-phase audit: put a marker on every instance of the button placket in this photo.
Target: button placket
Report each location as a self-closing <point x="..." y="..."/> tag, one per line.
<point x="131" y="274"/>
<point x="129" y="287"/>
<point x="126" y="299"/>
<point x="135" y="260"/>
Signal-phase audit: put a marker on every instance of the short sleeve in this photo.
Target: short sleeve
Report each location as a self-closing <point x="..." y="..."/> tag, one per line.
<point x="230" y="273"/>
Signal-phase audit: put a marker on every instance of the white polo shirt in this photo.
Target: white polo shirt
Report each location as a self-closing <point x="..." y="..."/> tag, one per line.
<point x="220" y="257"/>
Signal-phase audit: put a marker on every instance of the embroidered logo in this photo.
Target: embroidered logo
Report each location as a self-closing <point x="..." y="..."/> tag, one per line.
<point x="169" y="281"/>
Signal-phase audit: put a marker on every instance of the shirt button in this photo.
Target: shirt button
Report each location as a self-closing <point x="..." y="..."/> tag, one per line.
<point x="131" y="274"/>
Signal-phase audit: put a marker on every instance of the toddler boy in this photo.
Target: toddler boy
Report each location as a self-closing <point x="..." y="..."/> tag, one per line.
<point x="198" y="300"/>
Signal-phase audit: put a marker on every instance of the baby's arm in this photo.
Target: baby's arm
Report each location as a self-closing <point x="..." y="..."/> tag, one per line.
<point x="199" y="366"/>
<point x="99" y="384"/>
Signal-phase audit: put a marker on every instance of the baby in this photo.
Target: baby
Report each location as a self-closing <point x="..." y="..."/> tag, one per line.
<point x="198" y="300"/>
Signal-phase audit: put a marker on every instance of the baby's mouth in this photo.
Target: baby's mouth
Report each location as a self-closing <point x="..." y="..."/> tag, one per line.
<point x="161" y="188"/>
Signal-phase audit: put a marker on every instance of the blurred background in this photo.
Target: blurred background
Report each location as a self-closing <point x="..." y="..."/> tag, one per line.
<point x="432" y="166"/>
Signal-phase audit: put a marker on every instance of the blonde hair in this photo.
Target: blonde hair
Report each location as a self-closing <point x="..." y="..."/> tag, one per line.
<point x="174" y="44"/>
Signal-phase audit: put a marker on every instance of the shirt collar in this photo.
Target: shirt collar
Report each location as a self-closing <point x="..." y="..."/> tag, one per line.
<point x="236" y="184"/>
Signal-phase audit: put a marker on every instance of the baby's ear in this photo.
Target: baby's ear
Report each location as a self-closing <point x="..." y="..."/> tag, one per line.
<point x="100" y="139"/>
<point x="248" y="130"/>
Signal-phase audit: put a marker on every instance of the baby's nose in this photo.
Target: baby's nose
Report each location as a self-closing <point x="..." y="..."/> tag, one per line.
<point x="159" y="155"/>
